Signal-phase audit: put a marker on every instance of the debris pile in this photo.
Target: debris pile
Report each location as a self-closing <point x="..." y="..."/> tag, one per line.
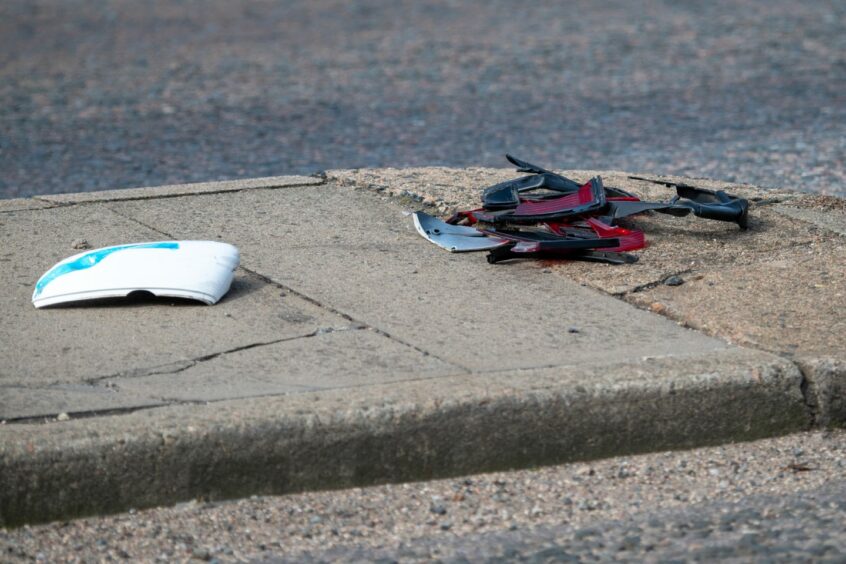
<point x="546" y="215"/>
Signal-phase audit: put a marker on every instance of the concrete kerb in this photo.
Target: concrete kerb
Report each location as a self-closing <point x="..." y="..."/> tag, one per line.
<point x="406" y="430"/>
<point x="401" y="432"/>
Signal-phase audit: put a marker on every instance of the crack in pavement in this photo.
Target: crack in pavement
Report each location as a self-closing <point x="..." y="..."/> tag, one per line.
<point x="647" y="285"/>
<point x="139" y="222"/>
<point x="351" y="319"/>
<point x="808" y="396"/>
<point x="182" y="365"/>
<point x="95" y="384"/>
<point x="314" y="301"/>
<point x="165" y="401"/>
<point x="168" y="402"/>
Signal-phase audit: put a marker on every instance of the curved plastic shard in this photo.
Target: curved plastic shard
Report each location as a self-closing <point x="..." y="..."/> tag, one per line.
<point x="454" y="238"/>
<point x="196" y="270"/>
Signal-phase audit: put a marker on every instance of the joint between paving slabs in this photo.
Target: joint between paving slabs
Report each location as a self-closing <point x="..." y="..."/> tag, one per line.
<point x="356" y="323"/>
<point x="810" y="397"/>
<point x="45" y="419"/>
<point x="5" y="212"/>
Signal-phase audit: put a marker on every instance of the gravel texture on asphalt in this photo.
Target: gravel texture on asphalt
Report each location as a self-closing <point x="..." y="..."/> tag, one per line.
<point x="99" y="94"/>
<point x="796" y="527"/>
<point x="772" y="495"/>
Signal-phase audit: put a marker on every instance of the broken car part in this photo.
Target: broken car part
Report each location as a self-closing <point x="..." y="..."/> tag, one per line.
<point x="588" y="198"/>
<point x="195" y="270"/>
<point x="548" y="215"/>
<point x="505" y="195"/>
<point x="528" y="251"/>
<point x="454" y="238"/>
<point x="706" y="204"/>
<point x="565" y="241"/>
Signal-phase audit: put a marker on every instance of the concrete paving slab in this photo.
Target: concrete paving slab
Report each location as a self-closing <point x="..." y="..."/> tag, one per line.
<point x="328" y="360"/>
<point x="458" y="308"/>
<point x="308" y="217"/>
<point x="89" y="343"/>
<point x="393" y="432"/>
<point x="790" y="301"/>
<point x="181" y="189"/>
<point x="84" y="344"/>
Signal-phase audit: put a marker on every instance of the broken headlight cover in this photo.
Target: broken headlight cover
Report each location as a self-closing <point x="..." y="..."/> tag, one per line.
<point x="195" y="270"/>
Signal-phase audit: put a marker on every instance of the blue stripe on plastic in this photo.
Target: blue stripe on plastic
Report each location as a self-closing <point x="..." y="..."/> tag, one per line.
<point x="90" y="259"/>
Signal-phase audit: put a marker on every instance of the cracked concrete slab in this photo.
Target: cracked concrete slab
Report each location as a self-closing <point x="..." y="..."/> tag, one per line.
<point x="329" y="360"/>
<point x="181" y="189"/>
<point x="357" y="253"/>
<point x="75" y="345"/>
<point x="91" y="342"/>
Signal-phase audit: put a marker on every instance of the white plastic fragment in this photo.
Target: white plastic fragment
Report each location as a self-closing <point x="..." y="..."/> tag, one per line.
<point x="196" y="270"/>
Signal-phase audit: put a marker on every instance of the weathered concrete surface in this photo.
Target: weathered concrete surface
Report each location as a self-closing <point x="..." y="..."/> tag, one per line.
<point x="780" y="286"/>
<point x="80" y="346"/>
<point x="349" y="351"/>
<point x="337" y="359"/>
<point x="363" y="257"/>
<point x="181" y="189"/>
<point x="827" y="213"/>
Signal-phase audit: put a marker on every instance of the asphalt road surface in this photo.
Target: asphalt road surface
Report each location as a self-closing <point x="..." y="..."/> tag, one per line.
<point x="797" y="527"/>
<point x="775" y="500"/>
<point x="99" y="94"/>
